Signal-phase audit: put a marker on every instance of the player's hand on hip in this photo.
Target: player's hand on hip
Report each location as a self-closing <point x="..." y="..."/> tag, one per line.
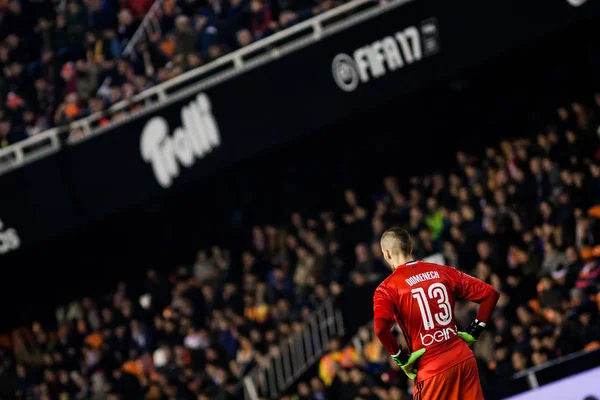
<point x="467" y="338"/>
<point x="472" y="333"/>
<point x="407" y="365"/>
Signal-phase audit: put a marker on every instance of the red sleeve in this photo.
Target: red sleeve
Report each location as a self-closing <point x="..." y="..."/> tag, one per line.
<point x="477" y="291"/>
<point x="383" y="310"/>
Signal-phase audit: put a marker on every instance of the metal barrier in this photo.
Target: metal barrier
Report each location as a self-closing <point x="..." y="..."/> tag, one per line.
<point x="295" y="355"/>
<point x="258" y="53"/>
<point x="149" y="25"/>
<point x="531" y="374"/>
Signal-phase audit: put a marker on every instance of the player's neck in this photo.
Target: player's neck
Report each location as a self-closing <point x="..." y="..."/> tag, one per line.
<point x="400" y="262"/>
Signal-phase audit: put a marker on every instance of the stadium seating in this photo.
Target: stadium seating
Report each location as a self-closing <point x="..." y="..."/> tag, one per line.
<point x="522" y="216"/>
<point x="65" y="60"/>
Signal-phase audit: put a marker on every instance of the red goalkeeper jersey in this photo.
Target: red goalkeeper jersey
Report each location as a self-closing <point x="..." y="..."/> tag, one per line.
<point x="420" y="297"/>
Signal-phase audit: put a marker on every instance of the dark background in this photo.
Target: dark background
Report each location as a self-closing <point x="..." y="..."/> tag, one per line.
<point x="509" y="96"/>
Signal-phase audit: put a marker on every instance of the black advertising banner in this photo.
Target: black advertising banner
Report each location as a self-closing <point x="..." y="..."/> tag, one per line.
<point x="392" y="54"/>
<point x="35" y="204"/>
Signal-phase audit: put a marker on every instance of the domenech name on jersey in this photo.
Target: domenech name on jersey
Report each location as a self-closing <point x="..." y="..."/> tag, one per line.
<point x="425" y="276"/>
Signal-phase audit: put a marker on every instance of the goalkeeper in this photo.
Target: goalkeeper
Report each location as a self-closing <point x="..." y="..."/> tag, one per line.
<point x="420" y="297"/>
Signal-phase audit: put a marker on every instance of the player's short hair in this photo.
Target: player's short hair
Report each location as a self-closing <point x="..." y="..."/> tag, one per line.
<point x="401" y="242"/>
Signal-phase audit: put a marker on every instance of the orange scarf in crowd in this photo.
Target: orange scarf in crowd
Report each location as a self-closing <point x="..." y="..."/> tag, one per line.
<point x="346" y="358"/>
<point x="259" y="313"/>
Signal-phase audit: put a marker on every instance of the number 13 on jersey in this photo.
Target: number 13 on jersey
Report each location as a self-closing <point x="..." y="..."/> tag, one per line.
<point x="437" y="293"/>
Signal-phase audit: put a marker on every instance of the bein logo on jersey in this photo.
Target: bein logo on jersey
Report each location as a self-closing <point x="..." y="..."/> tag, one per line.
<point x="198" y="136"/>
<point x="438" y="336"/>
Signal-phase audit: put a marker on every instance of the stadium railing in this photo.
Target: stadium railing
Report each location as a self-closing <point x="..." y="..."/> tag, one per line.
<point x="219" y="70"/>
<point x="296" y="354"/>
<point x="149" y="25"/>
<point x="557" y="369"/>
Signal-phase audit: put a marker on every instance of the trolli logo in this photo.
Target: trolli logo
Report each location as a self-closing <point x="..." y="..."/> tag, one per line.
<point x="198" y="136"/>
<point x="9" y="239"/>
<point x="388" y="54"/>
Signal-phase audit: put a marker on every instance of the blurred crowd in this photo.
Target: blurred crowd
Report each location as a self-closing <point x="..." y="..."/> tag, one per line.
<point x="61" y="60"/>
<point x="195" y="333"/>
<point x="521" y="216"/>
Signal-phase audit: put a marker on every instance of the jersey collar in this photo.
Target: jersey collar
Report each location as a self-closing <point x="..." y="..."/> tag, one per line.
<point x="409" y="264"/>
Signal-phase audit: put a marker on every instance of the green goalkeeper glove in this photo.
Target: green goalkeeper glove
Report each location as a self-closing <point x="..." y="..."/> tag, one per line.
<point x="407" y="362"/>
<point x="472" y="333"/>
